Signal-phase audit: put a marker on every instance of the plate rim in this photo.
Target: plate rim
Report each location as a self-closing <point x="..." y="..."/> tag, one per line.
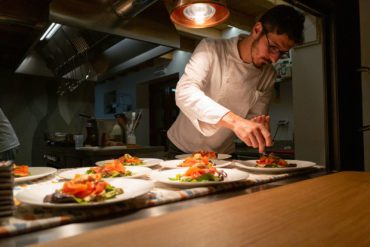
<point x="197" y="184"/>
<point x="52" y="170"/>
<point x="128" y="167"/>
<point x="148" y="183"/>
<point x="242" y="164"/>
<point x="183" y="156"/>
<point x="227" y="163"/>
<point x="148" y="165"/>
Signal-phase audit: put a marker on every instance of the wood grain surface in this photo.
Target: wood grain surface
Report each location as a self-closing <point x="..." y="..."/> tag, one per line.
<point x="332" y="210"/>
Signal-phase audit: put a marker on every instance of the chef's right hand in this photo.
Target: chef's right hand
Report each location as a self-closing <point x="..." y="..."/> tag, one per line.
<point x="252" y="133"/>
<point x="263" y="119"/>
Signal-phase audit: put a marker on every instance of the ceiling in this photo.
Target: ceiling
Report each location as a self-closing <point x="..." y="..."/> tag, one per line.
<point x="22" y="22"/>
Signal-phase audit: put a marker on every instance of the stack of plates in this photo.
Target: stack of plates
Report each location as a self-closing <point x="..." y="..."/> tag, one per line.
<point x="6" y="188"/>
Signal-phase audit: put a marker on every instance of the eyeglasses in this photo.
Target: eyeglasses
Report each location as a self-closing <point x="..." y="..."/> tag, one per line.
<point x="275" y="50"/>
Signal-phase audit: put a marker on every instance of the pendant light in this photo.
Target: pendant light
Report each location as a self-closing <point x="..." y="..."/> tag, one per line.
<point x="199" y="14"/>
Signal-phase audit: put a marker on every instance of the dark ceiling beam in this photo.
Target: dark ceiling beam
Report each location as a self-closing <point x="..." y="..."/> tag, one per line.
<point x="17" y="21"/>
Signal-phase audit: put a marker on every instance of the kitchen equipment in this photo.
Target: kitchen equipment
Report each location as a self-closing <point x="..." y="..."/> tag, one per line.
<point x="133" y="123"/>
<point x="79" y="140"/>
<point x="61" y="139"/>
<point x="121" y="122"/>
<point x="92" y="136"/>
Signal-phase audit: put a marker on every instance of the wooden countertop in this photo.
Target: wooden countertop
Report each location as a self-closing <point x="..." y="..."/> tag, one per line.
<point x="332" y="210"/>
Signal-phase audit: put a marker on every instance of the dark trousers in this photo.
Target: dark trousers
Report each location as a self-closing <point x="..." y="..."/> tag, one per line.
<point x="173" y="150"/>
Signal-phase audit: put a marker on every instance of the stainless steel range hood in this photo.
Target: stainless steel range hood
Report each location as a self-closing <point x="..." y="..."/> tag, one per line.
<point x="105" y="39"/>
<point x="145" y="20"/>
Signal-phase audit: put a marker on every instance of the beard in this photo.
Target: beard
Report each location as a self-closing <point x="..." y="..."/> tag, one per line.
<point x="254" y="50"/>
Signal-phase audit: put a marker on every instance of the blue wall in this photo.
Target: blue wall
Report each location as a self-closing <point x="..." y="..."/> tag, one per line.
<point x="134" y="87"/>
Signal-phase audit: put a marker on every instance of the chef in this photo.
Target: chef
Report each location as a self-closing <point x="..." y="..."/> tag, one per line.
<point x="227" y="86"/>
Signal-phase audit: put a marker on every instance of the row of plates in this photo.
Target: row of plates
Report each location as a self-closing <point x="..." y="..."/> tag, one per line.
<point x="34" y="195"/>
<point x="38" y="172"/>
<point x="133" y="188"/>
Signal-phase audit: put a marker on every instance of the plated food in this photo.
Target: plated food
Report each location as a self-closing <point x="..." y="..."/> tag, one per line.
<point x="173" y="164"/>
<point x="128" y="160"/>
<point x="174" y="177"/>
<point x="208" y="154"/>
<point x="84" y="188"/>
<point x="20" y="170"/>
<point x="35" y="173"/>
<point x="35" y="194"/>
<point x="127" y="172"/>
<point x="200" y="173"/>
<point x="110" y="170"/>
<point x="196" y="159"/>
<point x="273" y="161"/>
<point x="219" y="156"/>
<point x="251" y="166"/>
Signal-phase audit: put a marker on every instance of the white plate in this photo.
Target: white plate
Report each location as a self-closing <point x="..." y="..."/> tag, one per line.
<point x="219" y="156"/>
<point x="137" y="172"/>
<point x="174" y="163"/>
<point x="148" y="162"/>
<point x="35" y="173"/>
<point x="233" y="175"/>
<point x="34" y="195"/>
<point x="250" y="165"/>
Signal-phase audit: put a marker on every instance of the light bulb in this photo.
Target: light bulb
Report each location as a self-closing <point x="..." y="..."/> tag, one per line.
<point x="199" y="12"/>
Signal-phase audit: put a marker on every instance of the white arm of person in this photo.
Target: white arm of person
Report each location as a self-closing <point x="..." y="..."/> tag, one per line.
<point x="201" y="110"/>
<point x="251" y="132"/>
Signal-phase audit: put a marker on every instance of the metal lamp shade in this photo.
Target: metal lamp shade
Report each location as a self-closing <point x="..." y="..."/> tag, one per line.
<point x="178" y="16"/>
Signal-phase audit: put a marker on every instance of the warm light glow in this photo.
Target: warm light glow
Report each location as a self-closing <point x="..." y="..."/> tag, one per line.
<point x="199" y="12"/>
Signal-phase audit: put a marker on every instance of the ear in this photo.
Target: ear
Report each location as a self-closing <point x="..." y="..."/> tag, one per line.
<point x="257" y="29"/>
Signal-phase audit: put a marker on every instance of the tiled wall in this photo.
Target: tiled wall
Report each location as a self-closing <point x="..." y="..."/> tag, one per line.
<point x="33" y="108"/>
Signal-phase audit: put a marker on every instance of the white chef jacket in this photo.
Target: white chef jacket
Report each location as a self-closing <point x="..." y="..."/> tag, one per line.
<point x="215" y="82"/>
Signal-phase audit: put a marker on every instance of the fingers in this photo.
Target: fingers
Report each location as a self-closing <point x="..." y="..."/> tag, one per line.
<point x="254" y="132"/>
<point x="267" y="123"/>
<point x="259" y="119"/>
<point x="261" y="142"/>
<point x="267" y="137"/>
<point x="254" y="140"/>
<point x="259" y="137"/>
<point x="262" y="119"/>
<point x="263" y="137"/>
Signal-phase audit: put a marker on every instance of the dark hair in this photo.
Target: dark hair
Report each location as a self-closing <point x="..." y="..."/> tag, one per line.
<point x="283" y="19"/>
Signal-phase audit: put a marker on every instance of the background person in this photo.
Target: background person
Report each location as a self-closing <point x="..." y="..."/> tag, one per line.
<point x="8" y="139"/>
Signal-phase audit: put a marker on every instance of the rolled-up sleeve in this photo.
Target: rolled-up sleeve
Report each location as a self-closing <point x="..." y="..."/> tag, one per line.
<point x="202" y="111"/>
